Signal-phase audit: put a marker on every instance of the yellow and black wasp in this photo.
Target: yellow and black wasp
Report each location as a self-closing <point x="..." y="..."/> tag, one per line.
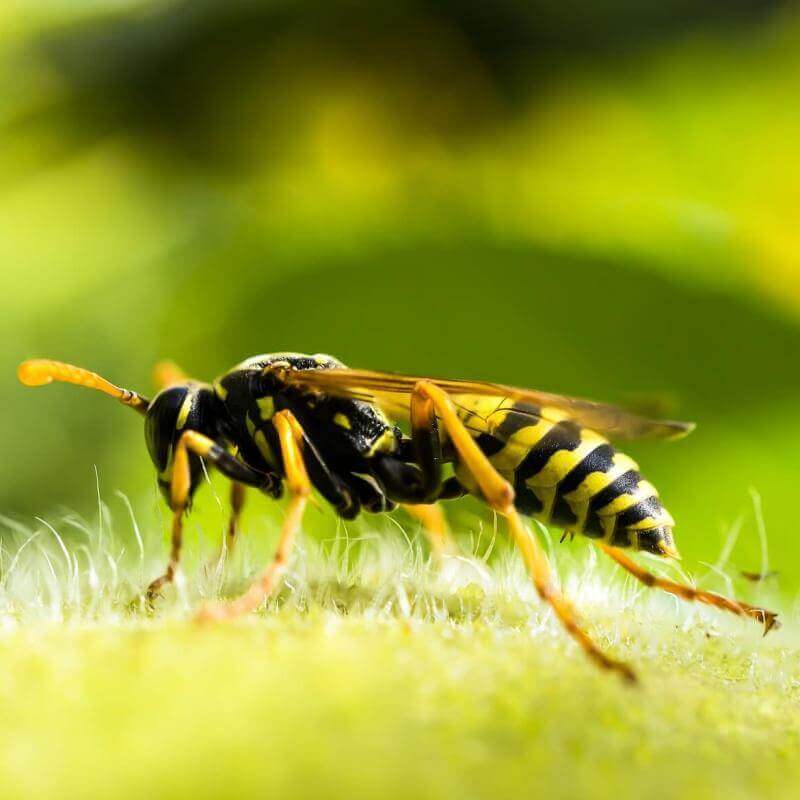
<point x="303" y="421"/>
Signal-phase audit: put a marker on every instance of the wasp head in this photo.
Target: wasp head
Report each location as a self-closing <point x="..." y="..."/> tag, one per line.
<point x="183" y="407"/>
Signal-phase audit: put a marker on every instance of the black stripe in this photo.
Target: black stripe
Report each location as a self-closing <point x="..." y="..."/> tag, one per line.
<point x="621" y="537"/>
<point x="650" y="507"/>
<point x="564" y="435"/>
<point x="562" y="514"/>
<point x="625" y="484"/>
<point x="599" y="460"/>
<point x="593" y="526"/>
<point x="489" y="444"/>
<point x="518" y="417"/>
<point x="526" y="502"/>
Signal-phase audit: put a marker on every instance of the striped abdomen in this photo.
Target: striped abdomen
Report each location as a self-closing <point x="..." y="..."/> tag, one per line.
<point x="566" y="475"/>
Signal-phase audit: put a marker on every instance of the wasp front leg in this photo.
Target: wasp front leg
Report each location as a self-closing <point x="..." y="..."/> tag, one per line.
<point x="181" y="488"/>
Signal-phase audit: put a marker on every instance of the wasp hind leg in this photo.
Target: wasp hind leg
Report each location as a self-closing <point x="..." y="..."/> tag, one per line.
<point x="769" y="619"/>
<point x="427" y="399"/>
<point x="291" y="438"/>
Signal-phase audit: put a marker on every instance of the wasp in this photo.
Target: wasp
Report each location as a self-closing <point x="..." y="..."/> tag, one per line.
<point x="304" y="422"/>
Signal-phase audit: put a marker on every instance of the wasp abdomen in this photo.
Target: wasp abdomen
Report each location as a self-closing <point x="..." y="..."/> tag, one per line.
<point x="567" y="475"/>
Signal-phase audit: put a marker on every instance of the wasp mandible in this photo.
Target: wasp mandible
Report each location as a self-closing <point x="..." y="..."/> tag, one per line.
<point x="307" y="421"/>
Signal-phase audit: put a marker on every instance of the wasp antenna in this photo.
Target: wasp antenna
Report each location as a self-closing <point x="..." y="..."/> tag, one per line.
<point x="41" y="371"/>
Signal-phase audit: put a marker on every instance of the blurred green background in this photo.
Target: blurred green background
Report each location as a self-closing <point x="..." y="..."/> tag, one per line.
<point x="597" y="199"/>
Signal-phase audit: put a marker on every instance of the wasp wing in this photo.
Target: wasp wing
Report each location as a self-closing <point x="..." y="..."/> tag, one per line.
<point x="391" y="392"/>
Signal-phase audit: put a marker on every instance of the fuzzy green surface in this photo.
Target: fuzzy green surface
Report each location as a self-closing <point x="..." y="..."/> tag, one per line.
<point x="376" y="674"/>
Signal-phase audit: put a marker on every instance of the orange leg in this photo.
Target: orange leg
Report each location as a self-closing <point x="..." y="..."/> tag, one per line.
<point x="238" y="493"/>
<point x="180" y="488"/>
<point x="434" y="525"/>
<point x="499" y="494"/>
<point x="179" y="498"/>
<point x="768" y="618"/>
<point x="290" y="435"/>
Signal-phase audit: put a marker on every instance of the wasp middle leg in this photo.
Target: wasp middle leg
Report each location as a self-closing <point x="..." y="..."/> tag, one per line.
<point x="238" y="494"/>
<point x="291" y="438"/>
<point x="429" y="401"/>
<point x="434" y="525"/>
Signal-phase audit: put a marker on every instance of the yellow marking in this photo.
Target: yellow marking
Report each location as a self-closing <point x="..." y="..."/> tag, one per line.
<point x="342" y="421"/>
<point x="487" y="414"/>
<point x="562" y="462"/>
<point x="619" y="504"/>
<point x="263" y="446"/>
<point x="261" y="441"/>
<point x="220" y="390"/>
<point x="183" y="414"/>
<point x="519" y="445"/>
<point x="323" y="359"/>
<point x="580" y="498"/>
<point x="385" y="443"/>
<point x="624" y="501"/>
<point x="475" y="410"/>
<point x="595" y="482"/>
<point x="266" y="406"/>
<point x="664" y="518"/>
<point x="555" y="414"/>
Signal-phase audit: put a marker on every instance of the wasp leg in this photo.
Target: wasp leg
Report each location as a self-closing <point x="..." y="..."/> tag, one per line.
<point x="237" y="498"/>
<point x="238" y="494"/>
<point x="415" y="477"/>
<point x="768" y="618"/>
<point x="181" y="484"/>
<point x="168" y="373"/>
<point x="499" y="494"/>
<point x="291" y="438"/>
<point x="179" y="498"/>
<point x="434" y="525"/>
